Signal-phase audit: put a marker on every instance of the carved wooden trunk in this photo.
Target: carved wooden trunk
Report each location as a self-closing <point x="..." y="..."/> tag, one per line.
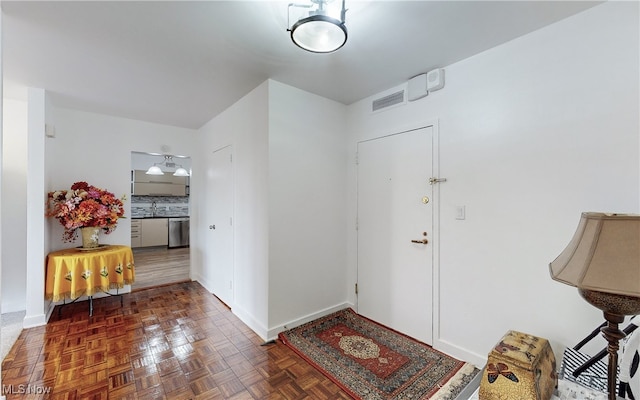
<point x="520" y="367"/>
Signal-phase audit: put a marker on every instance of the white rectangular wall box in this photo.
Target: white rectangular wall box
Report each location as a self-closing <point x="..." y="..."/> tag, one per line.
<point x="417" y="87"/>
<point x="435" y="79"/>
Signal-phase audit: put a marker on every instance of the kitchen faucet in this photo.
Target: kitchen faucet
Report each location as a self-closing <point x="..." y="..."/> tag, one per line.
<point x="154" y="208"/>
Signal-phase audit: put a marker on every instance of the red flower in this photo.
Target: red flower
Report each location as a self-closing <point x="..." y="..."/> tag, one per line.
<point x="79" y="185"/>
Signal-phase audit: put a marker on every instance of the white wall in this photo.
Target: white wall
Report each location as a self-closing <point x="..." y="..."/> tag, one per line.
<point x="1" y="191"/>
<point x="35" y="196"/>
<point x="532" y="133"/>
<point x="97" y="149"/>
<point x="91" y="147"/>
<point x="14" y="205"/>
<point x="307" y="205"/>
<point x="245" y="126"/>
<point x="289" y="207"/>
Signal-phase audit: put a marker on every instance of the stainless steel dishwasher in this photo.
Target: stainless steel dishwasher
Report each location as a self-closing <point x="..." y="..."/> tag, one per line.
<point x="178" y="232"/>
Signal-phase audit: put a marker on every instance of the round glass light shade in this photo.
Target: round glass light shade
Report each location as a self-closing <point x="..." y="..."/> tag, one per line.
<point x="154" y="170"/>
<point x="319" y="34"/>
<point x="181" y="172"/>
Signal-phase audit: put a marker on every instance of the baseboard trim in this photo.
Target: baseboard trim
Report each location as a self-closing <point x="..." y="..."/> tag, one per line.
<point x="31" y="321"/>
<point x="274" y="331"/>
<point x="249" y="320"/>
<point x="198" y="278"/>
<point x="460" y="353"/>
<point x="12" y="306"/>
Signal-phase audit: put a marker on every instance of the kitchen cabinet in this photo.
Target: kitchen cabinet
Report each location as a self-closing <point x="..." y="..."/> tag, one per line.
<point x="155" y="232"/>
<point x="158" y="189"/>
<point x="158" y="185"/>
<point x="136" y="232"/>
<point x="149" y="232"/>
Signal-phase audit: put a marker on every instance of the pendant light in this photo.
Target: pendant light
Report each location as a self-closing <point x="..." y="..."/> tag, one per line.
<point x="168" y="162"/>
<point x="154" y="170"/>
<point x="319" y="33"/>
<point x="181" y="172"/>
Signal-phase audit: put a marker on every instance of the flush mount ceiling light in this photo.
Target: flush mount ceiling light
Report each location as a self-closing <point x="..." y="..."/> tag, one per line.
<point x="319" y="32"/>
<point x="168" y="162"/>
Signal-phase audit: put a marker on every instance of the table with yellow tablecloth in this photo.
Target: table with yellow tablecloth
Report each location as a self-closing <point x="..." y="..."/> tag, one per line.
<point x="72" y="273"/>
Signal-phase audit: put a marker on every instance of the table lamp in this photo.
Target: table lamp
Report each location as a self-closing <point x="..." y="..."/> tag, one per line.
<point x="603" y="262"/>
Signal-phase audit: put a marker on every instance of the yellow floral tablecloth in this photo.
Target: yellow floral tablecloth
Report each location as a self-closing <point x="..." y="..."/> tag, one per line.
<point x="71" y="273"/>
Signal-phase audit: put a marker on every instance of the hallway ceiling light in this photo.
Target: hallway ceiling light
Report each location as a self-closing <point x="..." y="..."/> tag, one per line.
<point x="168" y="162"/>
<point x="319" y="33"/>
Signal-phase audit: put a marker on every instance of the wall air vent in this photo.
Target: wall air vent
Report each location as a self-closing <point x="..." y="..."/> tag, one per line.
<point x="387" y="101"/>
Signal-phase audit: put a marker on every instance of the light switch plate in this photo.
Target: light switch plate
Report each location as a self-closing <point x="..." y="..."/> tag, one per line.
<point x="460" y="212"/>
<point x="49" y="131"/>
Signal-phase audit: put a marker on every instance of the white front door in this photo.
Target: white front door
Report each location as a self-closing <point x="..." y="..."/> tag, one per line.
<point x="218" y="270"/>
<point x="394" y="209"/>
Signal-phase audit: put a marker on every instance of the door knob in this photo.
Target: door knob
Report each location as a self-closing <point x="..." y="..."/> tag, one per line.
<point x="212" y="227"/>
<point x="423" y="240"/>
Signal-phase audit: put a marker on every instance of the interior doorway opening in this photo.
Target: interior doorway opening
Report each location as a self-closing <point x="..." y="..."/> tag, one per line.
<point x="160" y="202"/>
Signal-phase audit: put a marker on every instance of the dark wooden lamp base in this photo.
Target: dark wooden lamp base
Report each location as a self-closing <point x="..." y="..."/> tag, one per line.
<point x="614" y="307"/>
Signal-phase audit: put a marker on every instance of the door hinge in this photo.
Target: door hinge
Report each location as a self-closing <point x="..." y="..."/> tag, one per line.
<point x="357" y="160"/>
<point x="433" y="180"/>
<point x="356" y="288"/>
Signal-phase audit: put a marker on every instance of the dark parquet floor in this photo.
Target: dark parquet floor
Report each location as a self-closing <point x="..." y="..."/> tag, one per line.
<point x="170" y="342"/>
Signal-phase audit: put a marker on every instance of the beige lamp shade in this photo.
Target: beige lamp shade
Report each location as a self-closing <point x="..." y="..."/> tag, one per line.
<point x="604" y="255"/>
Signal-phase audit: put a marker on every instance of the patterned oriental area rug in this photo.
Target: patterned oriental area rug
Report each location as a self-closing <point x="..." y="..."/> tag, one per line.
<point x="370" y="361"/>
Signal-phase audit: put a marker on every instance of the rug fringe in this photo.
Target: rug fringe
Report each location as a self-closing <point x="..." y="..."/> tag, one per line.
<point x="457" y="383"/>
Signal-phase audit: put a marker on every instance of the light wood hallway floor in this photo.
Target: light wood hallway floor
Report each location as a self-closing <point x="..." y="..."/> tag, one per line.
<point x="157" y="266"/>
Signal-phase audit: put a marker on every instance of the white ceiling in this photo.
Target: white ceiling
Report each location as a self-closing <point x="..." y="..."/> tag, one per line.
<point x="182" y="63"/>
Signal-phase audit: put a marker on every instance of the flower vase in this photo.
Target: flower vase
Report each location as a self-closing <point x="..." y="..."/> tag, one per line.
<point x="90" y="237"/>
